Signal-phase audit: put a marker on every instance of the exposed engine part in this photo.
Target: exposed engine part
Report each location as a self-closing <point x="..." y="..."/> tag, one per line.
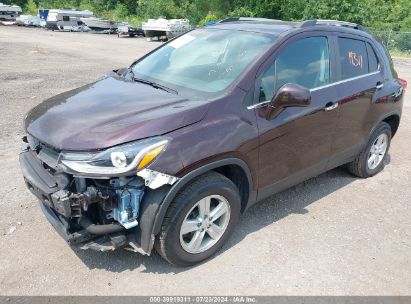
<point x="98" y="245"/>
<point x="61" y="202"/>
<point x="99" y="204"/>
<point x="66" y="203"/>
<point x="80" y="184"/>
<point x="71" y="204"/>
<point x="129" y="194"/>
<point x="75" y="208"/>
<point x="99" y="229"/>
<point x="109" y="243"/>
<point x="88" y="197"/>
<point x="154" y="179"/>
<point x="118" y="240"/>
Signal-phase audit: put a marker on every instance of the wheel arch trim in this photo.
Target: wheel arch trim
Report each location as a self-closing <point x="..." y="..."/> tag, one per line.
<point x="393" y="114"/>
<point x="195" y="173"/>
<point x="383" y="117"/>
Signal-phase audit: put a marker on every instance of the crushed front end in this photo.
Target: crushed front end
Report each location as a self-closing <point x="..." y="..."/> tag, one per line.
<point x="92" y="199"/>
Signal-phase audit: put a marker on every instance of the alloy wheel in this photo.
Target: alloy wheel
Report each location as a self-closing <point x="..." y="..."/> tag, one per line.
<point x="205" y="224"/>
<point x="377" y="151"/>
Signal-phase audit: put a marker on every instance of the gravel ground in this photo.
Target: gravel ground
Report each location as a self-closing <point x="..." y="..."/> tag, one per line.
<point x="331" y="235"/>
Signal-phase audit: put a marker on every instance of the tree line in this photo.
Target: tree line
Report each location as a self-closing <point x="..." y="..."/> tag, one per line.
<point x="376" y="14"/>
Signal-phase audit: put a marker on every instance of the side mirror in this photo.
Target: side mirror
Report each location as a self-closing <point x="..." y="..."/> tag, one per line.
<point x="289" y="95"/>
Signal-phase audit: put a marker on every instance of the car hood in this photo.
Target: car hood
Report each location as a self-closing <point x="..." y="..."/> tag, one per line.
<point x="109" y="112"/>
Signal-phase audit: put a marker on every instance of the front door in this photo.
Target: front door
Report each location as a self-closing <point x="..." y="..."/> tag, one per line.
<point x="296" y="144"/>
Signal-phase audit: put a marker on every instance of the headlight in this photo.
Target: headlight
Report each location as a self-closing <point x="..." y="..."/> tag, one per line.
<point x="117" y="160"/>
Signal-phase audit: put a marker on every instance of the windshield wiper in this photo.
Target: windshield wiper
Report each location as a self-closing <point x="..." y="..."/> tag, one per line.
<point x="152" y="83"/>
<point x="156" y="85"/>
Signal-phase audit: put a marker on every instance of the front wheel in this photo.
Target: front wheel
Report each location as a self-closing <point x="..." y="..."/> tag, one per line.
<point x="371" y="159"/>
<point x="199" y="220"/>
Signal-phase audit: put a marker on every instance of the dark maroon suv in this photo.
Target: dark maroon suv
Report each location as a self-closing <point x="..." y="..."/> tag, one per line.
<point x="168" y="152"/>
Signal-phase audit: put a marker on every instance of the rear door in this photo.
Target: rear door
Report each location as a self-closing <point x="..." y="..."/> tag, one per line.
<point x="359" y="76"/>
<point x="297" y="143"/>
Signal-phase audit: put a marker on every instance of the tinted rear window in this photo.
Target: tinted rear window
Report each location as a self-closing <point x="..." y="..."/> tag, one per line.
<point x="372" y="59"/>
<point x="353" y="57"/>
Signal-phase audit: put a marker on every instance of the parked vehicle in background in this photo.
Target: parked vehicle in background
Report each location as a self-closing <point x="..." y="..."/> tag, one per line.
<point x="27" y="20"/>
<point x="129" y="31"/>
<point x="168" y="153"/>
<point x="165" y="29"/>
<point x="43" y="13"/>
<point x="9" y="12"/>
<point x="101" y="25"/>
<point x="67" y="19"/>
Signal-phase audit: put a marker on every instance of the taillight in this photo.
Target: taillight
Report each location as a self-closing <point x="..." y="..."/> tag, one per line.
<point x="403" y="83"/>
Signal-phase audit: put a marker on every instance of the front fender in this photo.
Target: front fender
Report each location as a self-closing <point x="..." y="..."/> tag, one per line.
<point x="156" y="202"/>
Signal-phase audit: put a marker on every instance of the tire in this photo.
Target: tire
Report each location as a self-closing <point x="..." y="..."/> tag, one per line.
<point x="360" y="166"/>
<point x="171" y="245"/>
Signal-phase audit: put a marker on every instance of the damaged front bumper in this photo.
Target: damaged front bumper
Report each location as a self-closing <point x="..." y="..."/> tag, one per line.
<point x="99" y="214"/>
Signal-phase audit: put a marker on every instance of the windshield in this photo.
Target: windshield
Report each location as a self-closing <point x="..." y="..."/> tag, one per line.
<point x="203" y="62"/>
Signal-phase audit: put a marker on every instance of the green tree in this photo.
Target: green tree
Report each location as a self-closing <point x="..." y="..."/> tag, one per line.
<point x="208" y="18"/>
<point x="31" y="8"/>
<point x="376" y="14"/>
<point x="241" y="11"/>
<point x="121" y="12"/>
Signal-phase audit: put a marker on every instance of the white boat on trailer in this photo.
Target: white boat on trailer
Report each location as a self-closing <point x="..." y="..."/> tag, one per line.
<point x="165" y="28"/>
<point x="101" y="25"/>
<point x="67" y="19"/>
<point x="9" y="12"/>
<point x="28" y="20"/>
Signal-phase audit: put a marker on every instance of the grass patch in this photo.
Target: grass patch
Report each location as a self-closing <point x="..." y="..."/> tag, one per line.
<point x="399" y="53"/>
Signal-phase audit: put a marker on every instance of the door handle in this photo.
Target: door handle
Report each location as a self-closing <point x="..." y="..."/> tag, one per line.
<point x="331" y="106"/>
<point x="379" y="85"/>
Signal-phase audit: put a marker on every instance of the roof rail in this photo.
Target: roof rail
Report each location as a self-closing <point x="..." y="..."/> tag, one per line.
<point x="229" y="20"/>
<point x="308" y="23"/>
<point x="236" y="19"/>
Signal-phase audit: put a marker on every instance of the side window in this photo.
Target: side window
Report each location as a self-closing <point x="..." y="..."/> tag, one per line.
<point x="304" y="62"/>
<point x="267" y="84"/>
<point x="353" y="57"/>
<point x="66" y="18"/>
<point x="373" y="64"/>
